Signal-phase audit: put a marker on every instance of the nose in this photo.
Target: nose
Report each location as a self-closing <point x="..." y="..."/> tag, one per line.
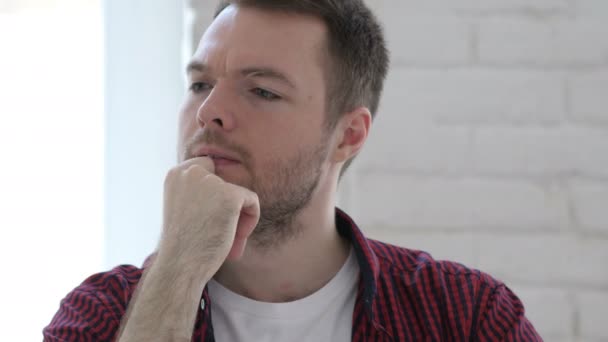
<point x="215" y="111"/>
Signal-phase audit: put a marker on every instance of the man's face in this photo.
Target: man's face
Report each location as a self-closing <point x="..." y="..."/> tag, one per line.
<point x="257" y="93"/>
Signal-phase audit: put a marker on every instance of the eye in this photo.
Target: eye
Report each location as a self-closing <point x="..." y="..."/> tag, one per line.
<point x="198" y="87"/>
<point x="265" y="94"/>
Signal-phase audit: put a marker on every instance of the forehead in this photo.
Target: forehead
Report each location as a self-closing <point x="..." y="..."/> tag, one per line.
<point x="243" y="35"/>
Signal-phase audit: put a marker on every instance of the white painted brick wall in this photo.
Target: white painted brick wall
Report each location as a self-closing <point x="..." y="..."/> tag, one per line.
<point x="596" y="9"/>
<point x="546" y="152"/>
<point x="423" y="203"/>
<point x="542" y="42"/>
<point x="446" y="41"/>
<point x="475" y="95"/>
<point x="589" y="200"/>
<point x="589" y="96"/>
<point x="593" y="313"/>
<point x="544" y="259"/>
<point x="491" y="148"/>
<point x="442" y="7"/>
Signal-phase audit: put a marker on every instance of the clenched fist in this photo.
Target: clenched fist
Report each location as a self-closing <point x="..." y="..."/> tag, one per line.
<point x="205" y="219"/>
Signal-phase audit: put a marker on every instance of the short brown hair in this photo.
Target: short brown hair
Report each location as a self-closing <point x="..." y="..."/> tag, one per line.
<point x="358" y="55"/>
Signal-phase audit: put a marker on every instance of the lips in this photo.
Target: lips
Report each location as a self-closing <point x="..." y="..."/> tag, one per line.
<point x="214" y="157"/>
<point x="216" y="154"/>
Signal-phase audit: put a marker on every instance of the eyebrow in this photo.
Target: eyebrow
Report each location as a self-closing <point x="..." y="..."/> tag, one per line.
<point x="195" y="66"/>
<point x="263" y="72"/>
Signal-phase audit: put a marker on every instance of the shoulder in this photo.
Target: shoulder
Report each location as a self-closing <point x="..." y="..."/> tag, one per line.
<point x="399" y="262"/>
<point x="124" y="277"/>
<point x="420" y="272"/>
<point x="114" y="287"/>
<point x="446" y="294"/>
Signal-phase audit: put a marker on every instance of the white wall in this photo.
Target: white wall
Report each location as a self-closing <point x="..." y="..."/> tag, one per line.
<point x="144" y="87"/>
<point x="491" y="148"/>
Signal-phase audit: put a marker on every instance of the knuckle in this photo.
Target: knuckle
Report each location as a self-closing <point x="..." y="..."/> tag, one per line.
<point x="192" y="169"/>
<point x="195" y="171"/>
<point x="170" y="176"/>
<point x="172" y="172"/>
<point x="211" y="180"/>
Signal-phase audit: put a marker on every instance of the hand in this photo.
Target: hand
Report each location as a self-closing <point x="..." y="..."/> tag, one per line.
<point x="206" y="219"/>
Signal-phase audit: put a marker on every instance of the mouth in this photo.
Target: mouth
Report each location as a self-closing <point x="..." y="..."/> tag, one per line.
<point x="218" y="156"/>
<point x="220" y="162"/>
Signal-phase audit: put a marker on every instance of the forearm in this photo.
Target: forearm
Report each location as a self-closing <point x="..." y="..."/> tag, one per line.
<point x="202" y="215"/>
<point x="165" y="305"/>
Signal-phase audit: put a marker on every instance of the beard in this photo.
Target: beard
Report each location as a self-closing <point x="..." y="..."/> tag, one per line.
<point x="285" y="186"/>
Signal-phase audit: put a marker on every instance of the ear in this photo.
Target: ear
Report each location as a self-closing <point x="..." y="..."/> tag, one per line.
<point x="352" y="132"/>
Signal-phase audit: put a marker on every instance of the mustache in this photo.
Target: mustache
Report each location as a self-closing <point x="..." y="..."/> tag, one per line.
<point x="215" y="139"/>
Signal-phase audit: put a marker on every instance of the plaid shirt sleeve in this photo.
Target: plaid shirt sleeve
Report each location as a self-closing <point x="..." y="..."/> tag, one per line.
<point x="92" y="311"/>
<point x="504" y="318"/>
<point x="81" y="317"/>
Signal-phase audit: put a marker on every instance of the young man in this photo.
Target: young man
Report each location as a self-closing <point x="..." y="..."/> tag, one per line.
<point x="281" y="98"/>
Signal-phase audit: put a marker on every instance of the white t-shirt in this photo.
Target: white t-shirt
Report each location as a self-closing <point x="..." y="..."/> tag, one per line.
<point x="325" y="315"/>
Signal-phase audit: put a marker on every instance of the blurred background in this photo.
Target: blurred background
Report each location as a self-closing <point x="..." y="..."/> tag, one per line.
<point x="490" y="147"/>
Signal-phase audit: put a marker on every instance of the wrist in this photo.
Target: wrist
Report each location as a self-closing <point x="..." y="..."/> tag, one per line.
<point x="181" y="271"/>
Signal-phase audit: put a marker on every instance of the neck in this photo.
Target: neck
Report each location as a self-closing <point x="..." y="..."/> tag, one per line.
<point x="296" y="268"/>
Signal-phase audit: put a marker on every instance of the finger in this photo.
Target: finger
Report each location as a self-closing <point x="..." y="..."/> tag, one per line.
<point x="247" y="221"/>
<point x="250" y="213"/>
<point x="204" y="162"/>
<point x="237" y="250"/>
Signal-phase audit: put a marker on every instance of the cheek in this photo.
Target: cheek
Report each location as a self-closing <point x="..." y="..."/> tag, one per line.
<point x="275" y="150"/>
<point x="187" y="122"/>
<point x="186" y="130"/>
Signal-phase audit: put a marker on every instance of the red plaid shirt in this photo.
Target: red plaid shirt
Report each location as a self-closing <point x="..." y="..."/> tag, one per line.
<point x="404" y="295"/>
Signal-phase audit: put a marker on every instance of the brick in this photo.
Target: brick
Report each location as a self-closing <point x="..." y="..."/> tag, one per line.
<point x="591" y="8"/>
<point x="592" y="311"/>
<point x="469" y="6"/>
<point x="537" y="6"/>
<point x="589" y="97"/>
<point x="508" y="41"/>
<point x="456" y="247"/>
<point x="435" y="203"/>
<point x="427" y="40"/>
<point x="475" y="96"/>
<point x="486" y="150"/>
<point x="587" y="148"/>
<point x="395" y="145"/>
<point x="545" y="259"/>
<point x="519" y="151"/>
<point x="549" y="309"/>
<point x="540" y="151"/>
<point x="590" y="204"/>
